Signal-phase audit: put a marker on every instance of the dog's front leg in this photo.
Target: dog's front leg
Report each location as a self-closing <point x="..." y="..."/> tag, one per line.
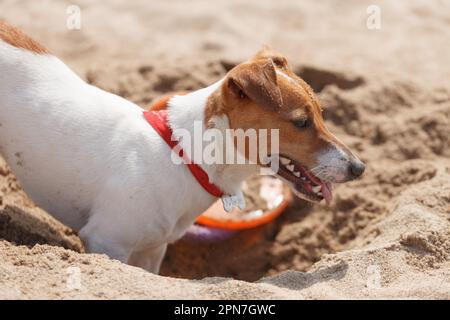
<point x="99" y="240"/>
<point x="149" y="259"/>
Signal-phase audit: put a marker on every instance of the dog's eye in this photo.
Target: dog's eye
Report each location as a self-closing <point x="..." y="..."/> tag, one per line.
<point x="302" y="123"/>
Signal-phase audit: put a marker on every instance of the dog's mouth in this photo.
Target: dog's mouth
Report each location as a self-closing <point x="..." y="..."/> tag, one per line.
<point x="304" y="183"/>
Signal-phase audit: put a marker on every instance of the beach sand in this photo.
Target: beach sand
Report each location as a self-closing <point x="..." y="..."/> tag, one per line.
<point x="385" y="93"/>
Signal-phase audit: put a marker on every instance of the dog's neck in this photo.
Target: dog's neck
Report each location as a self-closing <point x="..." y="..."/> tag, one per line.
<point x="187" y="112"/>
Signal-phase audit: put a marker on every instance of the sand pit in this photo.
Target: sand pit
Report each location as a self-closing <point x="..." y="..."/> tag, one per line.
<point x="384" y="236"/>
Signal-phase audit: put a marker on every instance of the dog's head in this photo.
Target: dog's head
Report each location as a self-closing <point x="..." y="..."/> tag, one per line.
<point x="263" y="93"/>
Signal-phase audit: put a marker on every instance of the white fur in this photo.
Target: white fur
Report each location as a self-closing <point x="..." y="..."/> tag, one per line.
<point x="183" y="112"/>
<point x="332" y="165"/>
<point x="89" y="158"/>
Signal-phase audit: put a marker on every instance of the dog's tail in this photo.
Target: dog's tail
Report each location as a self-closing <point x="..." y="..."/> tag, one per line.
<point x="16" y="38"/>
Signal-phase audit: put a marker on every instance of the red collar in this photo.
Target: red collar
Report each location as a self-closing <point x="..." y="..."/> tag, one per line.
<point x="158" y="120"/>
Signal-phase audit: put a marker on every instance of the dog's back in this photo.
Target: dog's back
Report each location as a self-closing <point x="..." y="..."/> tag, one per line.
<point x="52" y="126"/>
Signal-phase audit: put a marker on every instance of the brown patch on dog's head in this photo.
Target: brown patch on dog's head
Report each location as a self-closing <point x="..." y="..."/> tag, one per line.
<point x="266" y="52"/>
<point x="263" y="93"/>
<point x="19" y="39"/>
<point x="256" y="96"/>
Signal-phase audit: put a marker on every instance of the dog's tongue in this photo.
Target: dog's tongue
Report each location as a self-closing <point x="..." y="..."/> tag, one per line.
<point x="326" y="192"/>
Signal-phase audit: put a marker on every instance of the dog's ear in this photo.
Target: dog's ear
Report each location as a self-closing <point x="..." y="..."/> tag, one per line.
<point x="256" y="80"/>
<point x="266" y="52"/>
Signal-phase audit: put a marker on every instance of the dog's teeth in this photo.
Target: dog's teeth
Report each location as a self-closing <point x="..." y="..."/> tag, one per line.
<point x="316" y="188"/>
<point x="303" y="178"/>
<point x="319" y="193"/>
<point x="285" y="161"/>
<point x="290" y="167"/>
<point x="297" y="174"/>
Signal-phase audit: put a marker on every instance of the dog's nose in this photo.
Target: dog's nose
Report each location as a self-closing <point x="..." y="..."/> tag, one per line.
<point x="356" y="168"/>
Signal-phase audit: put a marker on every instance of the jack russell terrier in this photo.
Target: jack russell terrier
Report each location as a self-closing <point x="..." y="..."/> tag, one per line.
<point x="102" y="165"/>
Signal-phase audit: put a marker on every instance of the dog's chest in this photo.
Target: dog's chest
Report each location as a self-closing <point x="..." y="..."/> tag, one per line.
<point x="188" y="214"/>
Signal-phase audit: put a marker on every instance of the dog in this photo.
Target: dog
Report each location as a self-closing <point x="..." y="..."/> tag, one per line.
<point x="97" y="163"/>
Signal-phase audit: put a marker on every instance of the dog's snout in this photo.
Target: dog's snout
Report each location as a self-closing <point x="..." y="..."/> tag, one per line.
<point x="357" y="168"/>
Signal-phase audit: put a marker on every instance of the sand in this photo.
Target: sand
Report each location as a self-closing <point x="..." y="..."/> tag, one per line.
<point x="385" y="93"/>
